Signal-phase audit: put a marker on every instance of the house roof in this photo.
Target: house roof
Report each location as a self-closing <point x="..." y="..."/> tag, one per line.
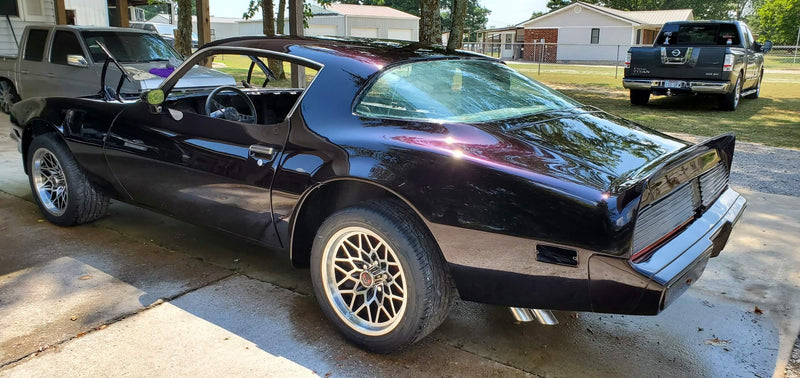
<point x="370" y="11"/>
<point x="656" y="17"/>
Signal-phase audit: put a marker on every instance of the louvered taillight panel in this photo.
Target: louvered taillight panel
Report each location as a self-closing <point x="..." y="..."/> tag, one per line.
<point x="659" y="219"/>
<point x="712" y="183"/>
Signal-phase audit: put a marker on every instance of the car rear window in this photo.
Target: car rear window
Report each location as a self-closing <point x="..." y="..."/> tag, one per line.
<point x="34" y="48"/>
<point x="457" y="90"/>
<point x="699" y="34"/>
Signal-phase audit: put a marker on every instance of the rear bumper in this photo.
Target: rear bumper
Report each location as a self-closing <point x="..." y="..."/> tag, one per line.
<point x="680" y="262"/>
<point x="698" y="86"/>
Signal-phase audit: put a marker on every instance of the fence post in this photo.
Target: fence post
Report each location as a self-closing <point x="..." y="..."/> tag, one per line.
<point x="541" y="56"/>
<point x="616" y="63"/>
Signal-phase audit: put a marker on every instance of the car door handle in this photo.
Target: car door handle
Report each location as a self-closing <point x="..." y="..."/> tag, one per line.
<point x="261" y="153"/>
<point x="51" y="74"/>
<point x="24" y="72"/>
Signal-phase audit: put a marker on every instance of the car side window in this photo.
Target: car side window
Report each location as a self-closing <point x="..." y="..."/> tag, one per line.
<point x="149" y="27"/>
<point x="64" y="43"/>
<point x="34" y="48"/>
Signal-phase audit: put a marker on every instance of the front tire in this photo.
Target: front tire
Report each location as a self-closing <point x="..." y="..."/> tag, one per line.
<point x="60" y="188"/>
<point x="379" y="276"/>
<point x="640" y="97"/>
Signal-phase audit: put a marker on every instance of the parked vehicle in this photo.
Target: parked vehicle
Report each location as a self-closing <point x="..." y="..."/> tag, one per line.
<point x="698" y="57"/>
<point x="166" y="31"/>
<point x="67" y="61"/>
<point x="400" y="176"/>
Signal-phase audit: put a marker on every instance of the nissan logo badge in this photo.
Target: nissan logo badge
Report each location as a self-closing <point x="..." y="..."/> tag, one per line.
<point x="676" y="52"/>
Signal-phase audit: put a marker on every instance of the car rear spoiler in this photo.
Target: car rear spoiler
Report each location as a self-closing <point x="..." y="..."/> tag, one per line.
<point x="676" y="169"/>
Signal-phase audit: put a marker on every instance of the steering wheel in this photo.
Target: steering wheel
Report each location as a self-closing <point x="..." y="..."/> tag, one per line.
<point x="215" y="109"/>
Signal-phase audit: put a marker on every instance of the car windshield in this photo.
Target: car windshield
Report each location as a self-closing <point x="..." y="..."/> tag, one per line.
<point x="129" y="47"/>
<point x="698" y="34"/>
<point x="457" y="91"/>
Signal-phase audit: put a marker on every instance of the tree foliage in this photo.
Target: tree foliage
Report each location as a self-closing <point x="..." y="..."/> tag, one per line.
<point x="702" y="9"/>
<point x="779" y="21"/>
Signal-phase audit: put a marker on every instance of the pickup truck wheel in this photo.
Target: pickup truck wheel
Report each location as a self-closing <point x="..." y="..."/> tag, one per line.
<point x="60" y="188"/>
<point x="379" y="277"/>
<point x="8" y="96"/>
<point x="639" y="97"/>
<point x="757" y="93"/>
<point x="730" y="101"/>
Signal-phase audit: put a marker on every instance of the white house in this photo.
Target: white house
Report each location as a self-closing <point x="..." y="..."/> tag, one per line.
<point x="591" y="33"/>
<point x="22" y="13"/>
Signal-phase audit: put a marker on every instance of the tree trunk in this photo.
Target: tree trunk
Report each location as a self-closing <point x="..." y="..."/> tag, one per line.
<point x="268" y="18"/>
<point x="430" y="30"/>
<point x="269" y="30"/>
<point x="281" y="16"/>
<point x="459" y="12"/>
<point x="183" y="37"/>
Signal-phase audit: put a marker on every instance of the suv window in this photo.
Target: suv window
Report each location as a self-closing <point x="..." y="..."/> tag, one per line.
<point x="34" y="48"/>
<point x="64" y="43"/>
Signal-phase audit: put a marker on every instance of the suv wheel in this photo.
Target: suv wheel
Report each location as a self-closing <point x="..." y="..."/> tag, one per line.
<point x="730" y="101"/>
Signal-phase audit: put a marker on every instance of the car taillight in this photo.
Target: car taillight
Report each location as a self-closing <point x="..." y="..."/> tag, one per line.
<point x="727" y="65"/>
<point x="628" y="61"/>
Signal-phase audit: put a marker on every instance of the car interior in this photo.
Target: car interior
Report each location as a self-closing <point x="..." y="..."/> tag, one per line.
<point x="272" y="98"/>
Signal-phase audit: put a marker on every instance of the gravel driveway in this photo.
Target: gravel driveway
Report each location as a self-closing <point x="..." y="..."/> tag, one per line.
<point x="762" y="168"/>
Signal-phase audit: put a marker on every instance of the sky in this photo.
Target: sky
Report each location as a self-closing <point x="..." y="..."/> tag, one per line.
<point x="504" y="12"/>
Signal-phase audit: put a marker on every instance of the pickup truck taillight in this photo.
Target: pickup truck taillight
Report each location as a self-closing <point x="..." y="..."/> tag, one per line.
<point x="727" y="65"/>
<point x="628" y="61"/>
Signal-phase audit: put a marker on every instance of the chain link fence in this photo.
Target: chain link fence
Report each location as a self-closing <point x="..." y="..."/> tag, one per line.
<point x="785" y="57"/>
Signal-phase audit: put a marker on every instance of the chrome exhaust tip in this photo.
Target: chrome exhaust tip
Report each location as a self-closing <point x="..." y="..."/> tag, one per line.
<point x="524" y="315"/>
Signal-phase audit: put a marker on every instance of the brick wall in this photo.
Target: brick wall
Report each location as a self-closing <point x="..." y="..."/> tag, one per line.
<point x="533" y="52"/>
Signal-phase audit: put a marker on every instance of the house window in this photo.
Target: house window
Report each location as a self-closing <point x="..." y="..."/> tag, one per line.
<point x="10" y="8"/>
<point x="509" y="39"/>
<point x="638" y="36"/>
<point x="595" y="36"/>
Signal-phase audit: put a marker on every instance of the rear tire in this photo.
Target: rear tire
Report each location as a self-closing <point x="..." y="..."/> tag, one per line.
<point x="379" y="276"/>
<point x="730" y="101"/>
<point x="8" y="96"/>
<point x="758" y="88"/>
<point x="60" y="188"/>
<point x="640" y="97"/>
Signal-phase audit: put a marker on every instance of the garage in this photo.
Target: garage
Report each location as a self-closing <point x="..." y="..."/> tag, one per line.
<point x="401" y="34"/>
<point x="364" y="32"/>
<point x="322" y="30"/>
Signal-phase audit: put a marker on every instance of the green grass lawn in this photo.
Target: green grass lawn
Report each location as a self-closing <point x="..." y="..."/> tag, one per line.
<point x="773" y="119"/>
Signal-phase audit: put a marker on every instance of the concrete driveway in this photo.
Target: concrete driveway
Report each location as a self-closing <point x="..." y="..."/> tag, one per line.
<point x="141" y="294"/>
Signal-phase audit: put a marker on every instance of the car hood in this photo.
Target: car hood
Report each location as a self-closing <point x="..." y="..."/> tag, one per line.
<point x="584" y="146"/>
<point x="197" y="77"/>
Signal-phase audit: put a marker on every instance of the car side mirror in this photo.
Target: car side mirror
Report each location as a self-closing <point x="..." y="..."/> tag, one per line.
<point x="77" y="61"/>
<point x="766" y="47"/>
<point x="154" y="97"/>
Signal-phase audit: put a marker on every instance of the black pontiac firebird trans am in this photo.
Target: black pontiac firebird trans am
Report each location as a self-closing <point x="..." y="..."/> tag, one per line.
<point x="401" y="176"/>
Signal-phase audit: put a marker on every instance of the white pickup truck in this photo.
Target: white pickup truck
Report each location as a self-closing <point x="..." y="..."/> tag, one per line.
<point x="67" y="61"/>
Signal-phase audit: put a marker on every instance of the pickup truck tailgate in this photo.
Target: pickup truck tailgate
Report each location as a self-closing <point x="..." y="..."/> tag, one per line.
<point x="698" y="63"/>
